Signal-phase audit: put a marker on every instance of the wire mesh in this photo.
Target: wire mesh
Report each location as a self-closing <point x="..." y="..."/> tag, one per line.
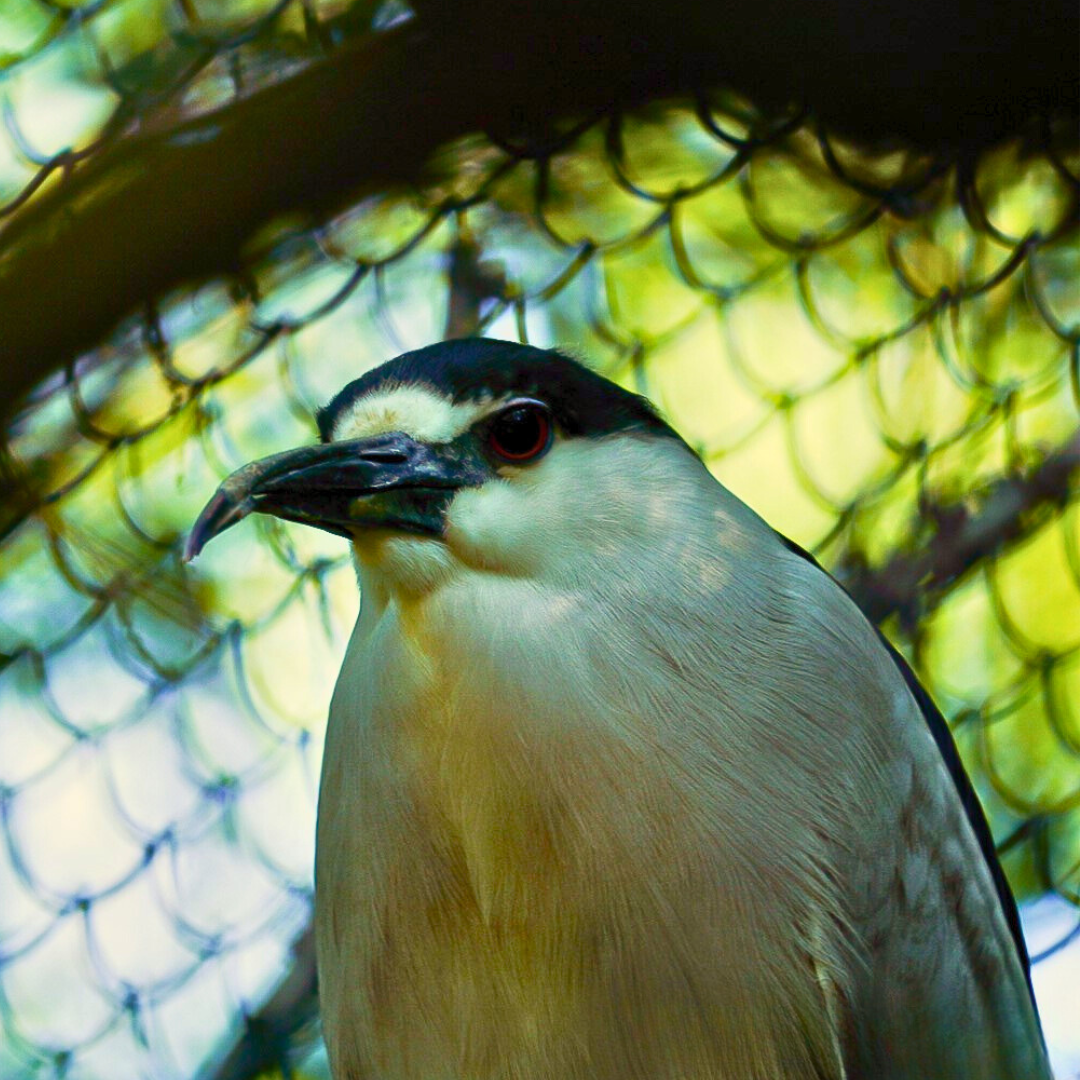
<point x="878" y="350"/>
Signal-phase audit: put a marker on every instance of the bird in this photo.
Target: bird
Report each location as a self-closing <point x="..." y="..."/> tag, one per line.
<point x="618" y="782"/>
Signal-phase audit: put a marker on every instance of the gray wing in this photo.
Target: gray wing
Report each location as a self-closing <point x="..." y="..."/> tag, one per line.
<point x="966" y="1008"/>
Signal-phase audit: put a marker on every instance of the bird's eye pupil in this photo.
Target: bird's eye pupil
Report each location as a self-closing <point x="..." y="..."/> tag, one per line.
<point x="521" y="433"/>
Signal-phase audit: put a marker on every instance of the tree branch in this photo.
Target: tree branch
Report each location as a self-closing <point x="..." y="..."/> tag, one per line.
<point x="268" y="1037"/>
<point x="963" y="538"/>
<point x="473" y="281"/>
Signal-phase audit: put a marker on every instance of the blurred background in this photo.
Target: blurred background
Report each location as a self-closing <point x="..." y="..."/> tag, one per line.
<point x="840" y="255"/>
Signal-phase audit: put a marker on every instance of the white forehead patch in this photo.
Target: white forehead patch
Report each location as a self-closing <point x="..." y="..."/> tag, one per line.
<point x="419" y="411"/>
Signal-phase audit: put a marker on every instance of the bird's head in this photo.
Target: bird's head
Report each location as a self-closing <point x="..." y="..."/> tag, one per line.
<point x="489" y="454"/>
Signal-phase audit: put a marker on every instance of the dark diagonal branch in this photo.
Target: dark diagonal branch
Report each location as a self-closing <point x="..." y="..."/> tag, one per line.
<point x="267" y="1042"/>
<point x="963" y="538"/>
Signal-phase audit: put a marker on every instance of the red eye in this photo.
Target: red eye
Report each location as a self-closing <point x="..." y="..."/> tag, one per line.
<point x="521" y="432"/>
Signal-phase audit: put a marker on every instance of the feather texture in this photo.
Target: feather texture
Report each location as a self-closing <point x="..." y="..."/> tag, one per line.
<point x="617" y="786"/>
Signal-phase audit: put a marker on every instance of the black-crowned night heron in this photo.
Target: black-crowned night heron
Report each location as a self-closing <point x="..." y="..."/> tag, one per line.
<point x="618" y="783"/>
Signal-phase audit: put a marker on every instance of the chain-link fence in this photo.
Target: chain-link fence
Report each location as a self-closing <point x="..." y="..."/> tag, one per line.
<point x="878" y="350"/>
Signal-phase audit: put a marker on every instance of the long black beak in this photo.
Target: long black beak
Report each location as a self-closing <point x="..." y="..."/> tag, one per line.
<point x="390" y="480"/>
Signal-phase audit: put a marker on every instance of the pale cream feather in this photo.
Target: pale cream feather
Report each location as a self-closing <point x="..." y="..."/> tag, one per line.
<point x="418" y="411"/>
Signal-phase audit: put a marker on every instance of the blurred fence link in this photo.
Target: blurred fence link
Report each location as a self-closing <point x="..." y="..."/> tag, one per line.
<point x="879" y="351"/>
